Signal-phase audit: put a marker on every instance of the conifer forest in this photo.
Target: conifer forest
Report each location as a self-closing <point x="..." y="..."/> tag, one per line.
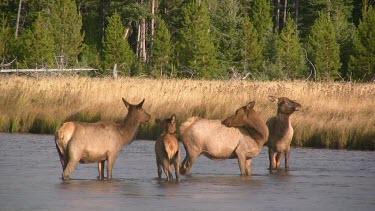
<point x="317" y="40"/>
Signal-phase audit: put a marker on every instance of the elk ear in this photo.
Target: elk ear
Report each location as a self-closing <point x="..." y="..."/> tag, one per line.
<point x="139" y="106"/>
<point x="250" y="105"/>
<point x="127" y="105"/>
<point x="173" y="119"/>
<point x="273" y="99"/>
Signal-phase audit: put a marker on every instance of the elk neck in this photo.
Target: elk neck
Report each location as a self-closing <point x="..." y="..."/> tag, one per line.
<point x="258" y="131"/>
<point x="128" y="129"/>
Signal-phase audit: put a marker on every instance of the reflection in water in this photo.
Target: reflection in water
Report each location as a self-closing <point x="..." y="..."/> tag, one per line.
<point x="334" y="180"/>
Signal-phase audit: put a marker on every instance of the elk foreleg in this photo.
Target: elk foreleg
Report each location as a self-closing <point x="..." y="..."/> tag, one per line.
<point x="249" y="167"/>
<point x="101" y="165"/>
<point x="110" y="163"/>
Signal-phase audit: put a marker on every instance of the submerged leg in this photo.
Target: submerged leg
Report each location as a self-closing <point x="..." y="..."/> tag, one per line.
<point x="287" y="156"/>
<point x="177" y="166"/>
<point x="188" y="162"/>
<point x="271" y="155"/>
<point x="110" y="163"/>
<point x="249" y="167"/>
<point x="69" y="168"/>
<point x="101" y="165"/>
<point x="279" y="157"/>
<point x="242" y="164"/>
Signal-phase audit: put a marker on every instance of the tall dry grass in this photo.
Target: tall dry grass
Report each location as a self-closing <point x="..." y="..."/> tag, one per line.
<point x="334" y="115"/>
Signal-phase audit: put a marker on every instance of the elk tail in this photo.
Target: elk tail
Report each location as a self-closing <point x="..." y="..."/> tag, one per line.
<point x="170" y="148"/>
<point x="187" y="124"/>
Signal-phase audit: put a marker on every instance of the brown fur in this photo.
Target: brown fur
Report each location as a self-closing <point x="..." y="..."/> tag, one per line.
<point x="79" y="142"/>
<point x="281" y="131"/>
<point x="240" y="136"/>
<point x="167" y="150"/>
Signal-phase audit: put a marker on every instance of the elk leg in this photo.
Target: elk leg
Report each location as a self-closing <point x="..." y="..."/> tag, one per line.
<point x="242" y="163"/>
<point x="177" y="166"/>
<point x="189" y="162"/>
<point x="101" y="169"/>
<point x="279" y="156"/>
<point x="110" y="163"/>
<point x="271" y="155"/>
<point x="287" y="156"/>
<point x="70" y="167"/>
<point x="249" y="167"/>
<point x="159" y="169"/>
<point x="167" y="170"/>
<point x="61" y="157"/>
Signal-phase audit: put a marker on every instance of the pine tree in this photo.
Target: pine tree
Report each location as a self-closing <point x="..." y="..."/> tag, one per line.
<point x="116" y="48"/>
<point x="197" y="53"/>
<point x="66" y="24"/>
<point x="38" y="46"/>
<point x="6" y="38"/>
<point x="289" y="51"/>
<point x="362" y="62"/>
<point x="162" y="51"/>
<point x="262" y="21"/>
<point x="325" y="49"/>
<point x="252" y="57"/>
<point x="226" y="28"/>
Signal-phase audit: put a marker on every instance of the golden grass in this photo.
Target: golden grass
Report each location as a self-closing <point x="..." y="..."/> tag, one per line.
<point x="333" y="115"/>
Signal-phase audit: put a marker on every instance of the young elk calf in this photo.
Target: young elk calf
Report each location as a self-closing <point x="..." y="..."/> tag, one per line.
<point x="167" y="150"/>
<point x="280" y="131"/>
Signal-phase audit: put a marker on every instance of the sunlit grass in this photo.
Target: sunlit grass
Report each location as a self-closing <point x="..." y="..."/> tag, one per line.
<point x="333" y="115"/>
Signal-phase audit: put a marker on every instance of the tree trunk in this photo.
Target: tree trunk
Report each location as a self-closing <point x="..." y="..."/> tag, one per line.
<point x="285" y="12"/>
<point x="277" y="15"/>
<point x="152" y="29"/>
<point x="18" y="19"/>
<point x="296" y="18"/>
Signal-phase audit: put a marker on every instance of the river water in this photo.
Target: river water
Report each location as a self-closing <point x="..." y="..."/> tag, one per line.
<point x="318" y="179"/>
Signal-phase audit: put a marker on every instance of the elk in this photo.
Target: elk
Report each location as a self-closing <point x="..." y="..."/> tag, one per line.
<point x="79" y="142"/>
<point x="167" y="150"/>
<point x="281" y="131"/>
<point x="240" y="136"/>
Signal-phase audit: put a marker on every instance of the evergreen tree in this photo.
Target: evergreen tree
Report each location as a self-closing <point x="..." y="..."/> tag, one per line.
<point x="325" y="49"/>
<point x="252" y="57"/>
<point x="66" y="24"/>
<point x="38" y="46"/>
<point x="162" y="51"/>
<point x="262" y="21"/>
<point x="289" y="51"/>
<point x="197" y="53"/>
<point x="116" y="48"/>
<point x="362" y="62"/>
<point x="6" y="39"/>
<point x="226" y="29"/>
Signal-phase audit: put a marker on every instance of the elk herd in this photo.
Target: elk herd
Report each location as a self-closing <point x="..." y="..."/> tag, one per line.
<point x="240" y="136"/>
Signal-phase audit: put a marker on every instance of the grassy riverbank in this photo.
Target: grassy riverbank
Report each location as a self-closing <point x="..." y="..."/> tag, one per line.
<point x="333" y="115"/>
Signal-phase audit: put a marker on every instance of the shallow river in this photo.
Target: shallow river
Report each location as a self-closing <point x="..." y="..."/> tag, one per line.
<point x="30" y="174"/>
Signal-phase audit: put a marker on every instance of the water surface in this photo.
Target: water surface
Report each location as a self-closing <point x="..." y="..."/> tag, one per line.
<point x="30" y="174"/>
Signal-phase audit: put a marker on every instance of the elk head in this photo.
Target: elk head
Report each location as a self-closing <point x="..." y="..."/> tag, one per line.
<point x="285" y="105"/>
<point x="241" y="117"/>
<point x="136" y="111"/>
<point x="168" y="125"/>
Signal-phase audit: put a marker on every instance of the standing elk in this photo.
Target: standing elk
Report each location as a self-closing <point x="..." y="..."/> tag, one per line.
<point x="79" y="142"/>
<point x="240" y="136"/>
<point x="167" y="150"/>
<point x="281" y="131"/>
